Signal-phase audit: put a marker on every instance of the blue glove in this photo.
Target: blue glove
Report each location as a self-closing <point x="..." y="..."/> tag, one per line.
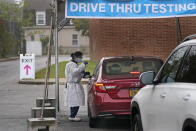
<point x="85" y="62"/>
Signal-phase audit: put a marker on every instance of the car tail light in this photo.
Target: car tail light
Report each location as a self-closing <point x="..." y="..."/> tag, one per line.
<point x="100" y="88"/>
<point x="104" y="88"/>
<point x="135" y="73"/>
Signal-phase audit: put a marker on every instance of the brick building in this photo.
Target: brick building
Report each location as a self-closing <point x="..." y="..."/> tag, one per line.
<point x="118" y="37"/>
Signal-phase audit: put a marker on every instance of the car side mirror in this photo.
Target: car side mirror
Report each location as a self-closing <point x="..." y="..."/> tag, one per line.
<point x="147" y="78"/>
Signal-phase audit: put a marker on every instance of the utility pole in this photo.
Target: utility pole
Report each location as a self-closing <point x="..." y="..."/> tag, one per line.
<point x="178" y="31"/>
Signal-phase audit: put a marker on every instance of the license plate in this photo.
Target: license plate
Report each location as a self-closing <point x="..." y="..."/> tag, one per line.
<point x="133" y="91"/>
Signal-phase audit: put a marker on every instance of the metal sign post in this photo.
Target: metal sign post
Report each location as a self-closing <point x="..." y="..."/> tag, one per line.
<point x="56" y="58"/>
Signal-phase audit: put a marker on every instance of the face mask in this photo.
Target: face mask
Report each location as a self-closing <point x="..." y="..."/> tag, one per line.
<point x="79" y="60"/>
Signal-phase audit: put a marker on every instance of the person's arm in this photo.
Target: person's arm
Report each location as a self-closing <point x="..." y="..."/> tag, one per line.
<point x="78" y="69"/>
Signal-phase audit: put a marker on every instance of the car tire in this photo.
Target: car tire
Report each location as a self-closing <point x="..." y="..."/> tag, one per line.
<point x="137" y="124"/>
<point x="190" y="125"/>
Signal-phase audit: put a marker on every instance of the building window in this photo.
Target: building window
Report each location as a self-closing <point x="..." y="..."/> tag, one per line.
<point x="74" y="39"/>
<point x="40" y="18"/>
<point x="32" y="38"/>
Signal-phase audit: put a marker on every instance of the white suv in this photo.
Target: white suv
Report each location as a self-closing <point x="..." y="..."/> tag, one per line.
<point x="168" y="101"/>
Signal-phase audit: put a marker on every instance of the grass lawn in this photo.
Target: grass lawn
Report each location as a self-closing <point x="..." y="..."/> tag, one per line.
<point x="41" y="74"/>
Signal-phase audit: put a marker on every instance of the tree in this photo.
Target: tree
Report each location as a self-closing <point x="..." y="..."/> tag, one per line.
<point x="82" y="25"/>
<point x="12" y="14"/>
<point x="5" y="41"/>
<point x="44" y="41"/>
<point x="8" y="44"/>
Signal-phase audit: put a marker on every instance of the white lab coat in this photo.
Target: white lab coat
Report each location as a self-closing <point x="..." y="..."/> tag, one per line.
<point x="74" y="93"/>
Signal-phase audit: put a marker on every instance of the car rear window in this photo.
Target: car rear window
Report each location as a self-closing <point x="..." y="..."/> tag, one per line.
<point x="123" y="67"/>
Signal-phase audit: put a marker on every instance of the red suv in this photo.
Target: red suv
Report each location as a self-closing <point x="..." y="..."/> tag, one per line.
<point x="114" y="83"/>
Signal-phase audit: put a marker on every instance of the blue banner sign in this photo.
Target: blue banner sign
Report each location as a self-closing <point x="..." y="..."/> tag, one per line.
<point x="129" y="9"/>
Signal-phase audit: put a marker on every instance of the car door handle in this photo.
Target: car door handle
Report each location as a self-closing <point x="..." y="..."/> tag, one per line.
<point x="163" y="95"/>
<point x="187" y="97"/>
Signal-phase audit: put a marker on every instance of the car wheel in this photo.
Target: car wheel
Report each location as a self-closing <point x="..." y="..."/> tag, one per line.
<point x="137" y="124"/>
<point x="92" y="121"/>
<point x="189" y="125"/>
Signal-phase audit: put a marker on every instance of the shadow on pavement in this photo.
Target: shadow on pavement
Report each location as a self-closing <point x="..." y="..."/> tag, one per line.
<point x="103" y="125"/>
<point x="111" y="124"/>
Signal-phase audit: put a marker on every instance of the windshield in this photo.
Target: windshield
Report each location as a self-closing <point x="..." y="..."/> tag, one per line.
<point x="124" y="67"/>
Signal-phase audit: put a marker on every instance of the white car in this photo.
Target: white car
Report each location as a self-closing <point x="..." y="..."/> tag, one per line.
<point x="168" y="101"/>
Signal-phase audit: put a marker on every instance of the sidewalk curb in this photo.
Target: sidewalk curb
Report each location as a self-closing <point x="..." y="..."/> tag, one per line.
<point x="50" y="82"/>
<point x="8" y="59"/>
<point x="34" y="82"/>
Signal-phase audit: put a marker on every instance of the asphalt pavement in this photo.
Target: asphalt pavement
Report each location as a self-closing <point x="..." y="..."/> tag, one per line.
<point x="16" y="101"/>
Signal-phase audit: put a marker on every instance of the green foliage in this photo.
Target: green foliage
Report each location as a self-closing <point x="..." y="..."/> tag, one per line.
<point x="82" y="25"/>
<point x="41" y="74"/>
<point x="12" y="12"/>
<point x="7" y="42"/>
<point x="91" y="67"/>
<point x="44" y="41"/>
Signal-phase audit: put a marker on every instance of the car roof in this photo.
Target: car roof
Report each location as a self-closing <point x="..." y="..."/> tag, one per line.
<point x="132" y="57"/>
<point x="186" y="43"/>
<point x="189" y="42"/>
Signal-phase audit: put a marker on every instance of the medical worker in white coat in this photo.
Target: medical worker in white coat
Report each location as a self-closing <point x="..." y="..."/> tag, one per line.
<point x="74" y="91"/>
